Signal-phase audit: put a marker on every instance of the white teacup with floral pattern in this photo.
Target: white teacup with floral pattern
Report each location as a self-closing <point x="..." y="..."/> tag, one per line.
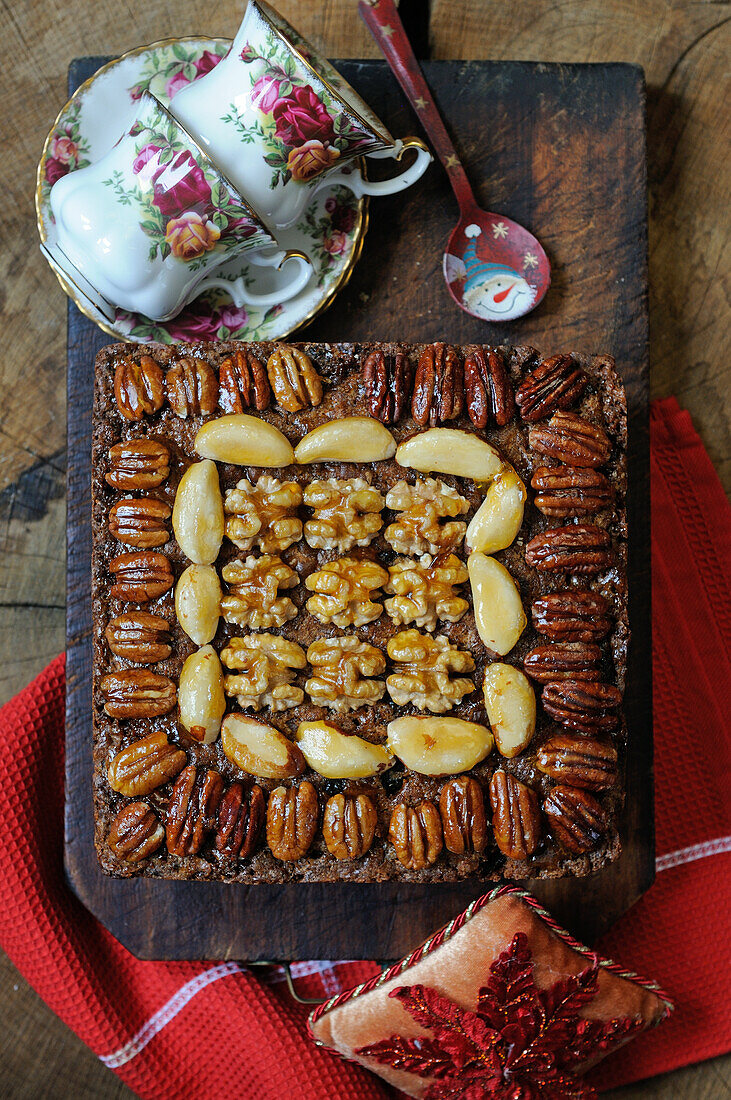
<point x="280" y="121"/>
<point x="143" y="228"/>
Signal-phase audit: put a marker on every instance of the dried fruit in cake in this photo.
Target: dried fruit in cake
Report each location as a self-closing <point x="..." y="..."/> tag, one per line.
<point x="462" y="806"/>
<point x="259" y="748"/>
<point x="426" y="590"/>
<point x="343" y="671"/>
<point x="198" y="513"/>
<point x="422" y="508"/>
<point x="349" y="825"/>
<point x="198" y="602"/>
<point x="201" y="698"/>
<point x="265" y="667"/>
<point x="352" y="439"/>
<point x="438" y="745"/>
<point x="497" y="521"/>
<point x="337" y="755"/>
<point x="263" y="515"/>
<point x="243" y="440"/>
<point x="344" y="591"/>
<point x="499" y="614"/>
<point x="424" y="668"/>
<point x="253" y="598"/>
<point x="346" y="513"/>
<point x="295" y="383"/>
<point x="510" y="704"/>
<point x="416" y="835"/>
<point x="450" y="451"/>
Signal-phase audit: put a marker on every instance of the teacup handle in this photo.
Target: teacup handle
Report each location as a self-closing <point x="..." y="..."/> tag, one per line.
<point x="355" y="182"/>
<point x="240" y="296"/>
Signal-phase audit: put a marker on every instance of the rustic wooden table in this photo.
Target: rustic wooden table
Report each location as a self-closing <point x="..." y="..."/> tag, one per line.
<point x="683" y="46"/>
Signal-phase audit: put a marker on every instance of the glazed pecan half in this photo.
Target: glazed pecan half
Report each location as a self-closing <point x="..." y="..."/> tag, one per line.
<point x="576" y="819"/>
<point x="388" y="385"/>
<point x="579" y="548"/>
<point x="138" y="387"/>
<point x="563" y="661"/>
<point x="138" y="464"/>
<point x="192" y="809"/>
<point x="135" y="833"/>
<point x="488" y="389"/>
<point x="349" y="825"/>
<point x="295" y="382"/>
<point x="416" y="835"/>
<point x="571" y="439"/>
<point x="438" y="386"/>
<point x="582" y="705"/>
<point x="462" y="807"/>
<point x="241" y="816"/>
<point x="140" y="521"/>
<point x="140" y="578"/>
<point x="243" y="383"/>
<point x="579" y="761"/>
<point x="145" y="765"/>
<point x="139" y="636"/>
<point x="570" y="491"/>
<point x="137" y="693"/>
<point x="572" y="615"/>
<point x="192" y="388"/>
<point x="516" y="818"/>
<point x="556" y="383"/>
<point x="292" y="821"/>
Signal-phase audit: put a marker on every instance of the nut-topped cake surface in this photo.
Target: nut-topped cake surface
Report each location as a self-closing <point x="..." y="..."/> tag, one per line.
<point x="360" y="611"/>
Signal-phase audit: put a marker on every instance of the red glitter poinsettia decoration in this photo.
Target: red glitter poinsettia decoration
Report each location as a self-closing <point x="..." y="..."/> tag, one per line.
<point x="520" y="1044"/>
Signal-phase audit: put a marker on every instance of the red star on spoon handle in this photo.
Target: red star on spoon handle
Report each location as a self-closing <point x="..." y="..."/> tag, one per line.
<point x="494" y="268"/>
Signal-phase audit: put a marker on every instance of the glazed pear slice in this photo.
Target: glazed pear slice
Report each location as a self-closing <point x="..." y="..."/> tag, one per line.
<point x="499" y="614"/>
<point x="437" y="745"/>
<point x="337" y="755"/>
<point x="243" y="440"/>
<point x="352" y="439"/>
<point x="450" y="451"/>
<point x="510" y="703"/>
<point x="497" y="521"/>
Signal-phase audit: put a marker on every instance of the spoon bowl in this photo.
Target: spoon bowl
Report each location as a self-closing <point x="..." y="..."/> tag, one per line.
<point x="495" y="269"/>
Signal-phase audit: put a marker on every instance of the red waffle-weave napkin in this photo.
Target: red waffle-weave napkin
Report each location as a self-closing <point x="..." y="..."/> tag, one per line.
<point x="180" y="1029"/>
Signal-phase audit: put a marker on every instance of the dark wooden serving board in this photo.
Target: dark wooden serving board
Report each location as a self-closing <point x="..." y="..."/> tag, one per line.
<point x="561" y="149"/>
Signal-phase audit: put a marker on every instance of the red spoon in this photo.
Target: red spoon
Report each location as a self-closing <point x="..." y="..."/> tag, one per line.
<point x="495" y="269"/>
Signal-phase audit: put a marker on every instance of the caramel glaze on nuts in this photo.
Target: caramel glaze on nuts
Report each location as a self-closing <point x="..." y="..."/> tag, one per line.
<point x="488" y="389"/>
<point x="462" y="807"/>
<point x="295" y="382"/>
<point x="292" y="815"/>
<point x="563" y="661"/>
<point x="579" y="761"/>
<point x="388" y="383"/>
<point x="572" y="439"/>
<point x="145" y="765"/>
<point x="192" y="388"/>
<point x="349" y="825"/>
<point x="516" y="818"/>
<point x="140" y="578"/>
<point x="135" y="833"/>
<point x="243" y="383"/>
<point x="137" y="693"/>
<point x="137" y="464"/>
<point x="556" y="383"/>
<point x="576" y="819"/>
<point x="240" y="820"/>
<point x="579" y="548"/>
<point x="139" y="636"/>
<point x="140" y="522"/>
<point x="191" y="813"/>
<point x="438" y="386"/>
<point x="138" y="388"/>
<point x="570" y="491"/>
<point x="416" y="835"/>
<point x="572" y="616"/>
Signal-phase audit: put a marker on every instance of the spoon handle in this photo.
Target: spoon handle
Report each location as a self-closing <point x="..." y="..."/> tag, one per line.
<point x="382" y="20"/>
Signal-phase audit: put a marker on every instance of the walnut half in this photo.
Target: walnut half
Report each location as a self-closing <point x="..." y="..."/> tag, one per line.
<point x="263" y="515"/>
<point x="341" y="673"/>
<point x="266" y="666"/>
<point x="423" y="671"/>
<point x="344" y="590"/>
<point x="419" y="528"/>
<point x="253" y="599"/>
<point x="346" y="513"/>
<point x="425" y="590"/>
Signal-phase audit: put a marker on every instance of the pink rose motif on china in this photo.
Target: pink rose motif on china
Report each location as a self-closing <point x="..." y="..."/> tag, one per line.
<point x="203" y="65"/>
<point x="336" y="243"/>
<point x="265" y="94"/>
<point x="64" y="149"/>
<point x="180" y="185"/>
<point x="302" y="116"/>
<point x="341" y="216"/>
<point x="310" y="159"/>
<point x="200" y="322"/>
<point x="190" y="235"/>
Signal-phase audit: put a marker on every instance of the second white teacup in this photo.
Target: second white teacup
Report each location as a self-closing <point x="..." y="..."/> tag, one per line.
<point x="282" y="122"/>
<point x="148" y="225"/>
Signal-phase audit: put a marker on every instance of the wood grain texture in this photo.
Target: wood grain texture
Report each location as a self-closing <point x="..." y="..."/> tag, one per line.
<point x="687" y="74"/>
<point x="594" y="305"/>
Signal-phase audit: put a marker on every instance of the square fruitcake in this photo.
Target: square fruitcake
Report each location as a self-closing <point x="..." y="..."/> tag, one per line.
<point x="360" y="611"/>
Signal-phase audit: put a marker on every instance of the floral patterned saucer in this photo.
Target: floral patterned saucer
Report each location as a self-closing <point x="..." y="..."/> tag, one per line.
<point x="330" y="231"/>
